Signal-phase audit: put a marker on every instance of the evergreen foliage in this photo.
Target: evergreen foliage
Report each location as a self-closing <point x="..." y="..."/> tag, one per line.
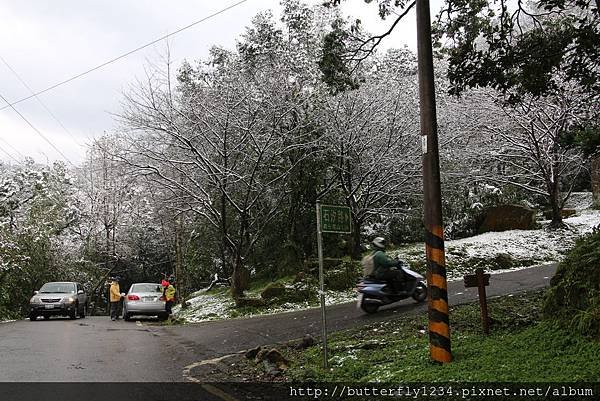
<point x="573" y="299"/>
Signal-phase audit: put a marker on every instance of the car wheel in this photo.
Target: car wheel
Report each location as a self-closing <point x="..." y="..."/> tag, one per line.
<point x="73" y="314"/>
<point x="32" y="317"/>
<point x="83" y="312"/>
<point x="46" y="317"/>
<point x="163" y="316"/>
<point x="126" y="316"/>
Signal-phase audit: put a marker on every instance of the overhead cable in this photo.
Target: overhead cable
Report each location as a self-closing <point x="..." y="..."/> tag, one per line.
<point x="125" y="54"/>
<point x="37" y="131"/>
<point x="40" y="101"/>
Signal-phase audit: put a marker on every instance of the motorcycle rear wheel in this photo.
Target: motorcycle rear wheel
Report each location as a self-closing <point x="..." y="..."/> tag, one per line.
<point x="369" y="308"/>
<point x="420" y="293"/>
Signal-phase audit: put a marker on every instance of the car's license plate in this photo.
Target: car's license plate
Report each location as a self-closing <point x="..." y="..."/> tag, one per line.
<point x="49" y="306"/>
<point x="149" y="299"/>
<point x="359" y="300"/>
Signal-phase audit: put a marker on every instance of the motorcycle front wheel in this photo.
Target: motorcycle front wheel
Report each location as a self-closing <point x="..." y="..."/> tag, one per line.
<point x="420" y="293"/>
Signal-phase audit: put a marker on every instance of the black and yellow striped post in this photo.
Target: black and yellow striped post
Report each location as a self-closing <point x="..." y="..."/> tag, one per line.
<point x="439" y="327"/>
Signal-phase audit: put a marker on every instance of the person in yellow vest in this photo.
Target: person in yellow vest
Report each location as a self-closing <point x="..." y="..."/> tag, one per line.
<point x="169" y="296"/>
<point x="115" y="298"/>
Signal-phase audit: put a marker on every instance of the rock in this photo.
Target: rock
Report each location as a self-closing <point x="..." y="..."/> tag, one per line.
<point x="251" y="354"/>
<point x="274" y="356"/>
<point x="564" y="213"/>
<point x="307" y="341"/>
<point x="271" y="369"/>
<point x="260" y="356"/>
<point x="274" y="290"/>
<point x="508" y="217"/>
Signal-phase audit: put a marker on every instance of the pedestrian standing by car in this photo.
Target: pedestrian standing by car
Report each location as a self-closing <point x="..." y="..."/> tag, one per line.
<point x="115" y="298"/>
<point x="169" y="296"/>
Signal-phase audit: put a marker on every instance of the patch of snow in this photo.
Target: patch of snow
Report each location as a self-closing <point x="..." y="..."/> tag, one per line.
<point x="7" y="321"/>
<point x="580" y="200"/>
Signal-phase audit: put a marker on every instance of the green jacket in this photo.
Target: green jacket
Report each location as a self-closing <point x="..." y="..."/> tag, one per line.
<point x="382" y="263"/>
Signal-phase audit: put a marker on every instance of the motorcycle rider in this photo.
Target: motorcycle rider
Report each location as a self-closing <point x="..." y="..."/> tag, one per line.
<point x="386" y="268"/>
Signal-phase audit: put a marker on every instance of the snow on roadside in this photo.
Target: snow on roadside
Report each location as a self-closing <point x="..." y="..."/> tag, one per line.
<point x="216" y="306"/>
<point x="524" y="248"/>
<point x="7" y="321"/>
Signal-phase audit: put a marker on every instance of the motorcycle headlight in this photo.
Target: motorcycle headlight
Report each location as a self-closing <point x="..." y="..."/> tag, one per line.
<point x="68" y="300"/>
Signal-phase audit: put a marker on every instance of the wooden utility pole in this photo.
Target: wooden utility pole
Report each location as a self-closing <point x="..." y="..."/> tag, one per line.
<point x="439" y="326"/>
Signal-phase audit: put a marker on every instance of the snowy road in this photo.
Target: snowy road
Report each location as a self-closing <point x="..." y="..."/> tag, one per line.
<point x="96" y="349"/>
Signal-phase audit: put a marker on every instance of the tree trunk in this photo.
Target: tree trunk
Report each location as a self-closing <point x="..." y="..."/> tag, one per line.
<point x="596" y="180"/>
<point x="240" y="279"/>
<point x="555" y="204"/>
<point x="355" y="248"/>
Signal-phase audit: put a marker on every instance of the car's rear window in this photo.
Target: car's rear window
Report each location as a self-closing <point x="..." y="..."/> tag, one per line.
<point x="145" y="288"/>
<point x="58" y="288"/>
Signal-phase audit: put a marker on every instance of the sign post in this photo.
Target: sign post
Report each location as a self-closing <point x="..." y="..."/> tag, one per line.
<point x="330" y="219"/>
<point x="480" y="280"/>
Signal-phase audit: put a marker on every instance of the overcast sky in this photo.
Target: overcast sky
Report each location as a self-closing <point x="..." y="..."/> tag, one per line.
<point x="46" y="42"/>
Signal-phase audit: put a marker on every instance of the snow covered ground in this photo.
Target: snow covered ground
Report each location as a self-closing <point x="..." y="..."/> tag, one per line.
<point x="516" y="248"/>
<point x="498" y="252"/>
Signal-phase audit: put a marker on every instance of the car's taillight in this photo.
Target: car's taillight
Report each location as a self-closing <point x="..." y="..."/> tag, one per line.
<point x="133" y="297"/>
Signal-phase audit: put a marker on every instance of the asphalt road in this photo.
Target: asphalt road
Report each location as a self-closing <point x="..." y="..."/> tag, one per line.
<point x="95" y="349"/>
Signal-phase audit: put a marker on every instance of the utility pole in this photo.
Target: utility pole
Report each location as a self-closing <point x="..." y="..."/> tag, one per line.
<point x="439" y="327"/>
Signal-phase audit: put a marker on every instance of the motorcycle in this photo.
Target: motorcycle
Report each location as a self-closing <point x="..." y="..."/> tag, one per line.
<point x="372" y="293"/>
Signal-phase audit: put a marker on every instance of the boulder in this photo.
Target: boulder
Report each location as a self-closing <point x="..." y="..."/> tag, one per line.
<point x="508" y="217"/>
<point x="274" y="356"/>
<point x="252" y="353"/>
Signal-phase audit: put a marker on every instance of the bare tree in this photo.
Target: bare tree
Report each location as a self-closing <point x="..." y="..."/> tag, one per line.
<point x="219" y="147"/>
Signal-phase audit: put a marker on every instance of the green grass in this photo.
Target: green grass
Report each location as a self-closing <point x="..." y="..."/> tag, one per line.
<point x="520" y="348"/>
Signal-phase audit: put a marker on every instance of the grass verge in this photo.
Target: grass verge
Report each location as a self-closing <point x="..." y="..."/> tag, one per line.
<point x="520" y="348"/>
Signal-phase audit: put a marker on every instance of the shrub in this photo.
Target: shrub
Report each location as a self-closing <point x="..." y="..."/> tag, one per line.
<point x="573" y="299"/>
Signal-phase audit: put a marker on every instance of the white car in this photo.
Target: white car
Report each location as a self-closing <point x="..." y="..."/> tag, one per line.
<point x="144" y="299"/>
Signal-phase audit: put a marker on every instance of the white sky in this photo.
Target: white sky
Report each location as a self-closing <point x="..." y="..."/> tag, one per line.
<point x="47" y="42"/>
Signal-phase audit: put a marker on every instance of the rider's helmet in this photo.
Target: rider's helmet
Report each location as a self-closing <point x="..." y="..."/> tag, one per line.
<point x="379" y="242"/>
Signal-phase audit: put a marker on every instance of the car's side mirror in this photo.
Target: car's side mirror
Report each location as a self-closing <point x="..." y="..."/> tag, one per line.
<point x="36" y="292"/>
<point x="80" y="292"/>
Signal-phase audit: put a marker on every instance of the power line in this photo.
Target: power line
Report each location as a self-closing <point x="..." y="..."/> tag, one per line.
<point x="40" y="101"/>
<point x="37" y="130"/>
<point x="10" y="146"/>
<point x="125" y="54"/>
<point x="9" y="155"/>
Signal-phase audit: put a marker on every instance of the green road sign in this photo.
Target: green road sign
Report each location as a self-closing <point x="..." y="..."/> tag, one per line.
<point x="335" y="219"/>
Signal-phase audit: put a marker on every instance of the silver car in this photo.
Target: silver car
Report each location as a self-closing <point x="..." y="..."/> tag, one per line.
<point x="58" y="298"/>
<point x="144" y="299"/>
